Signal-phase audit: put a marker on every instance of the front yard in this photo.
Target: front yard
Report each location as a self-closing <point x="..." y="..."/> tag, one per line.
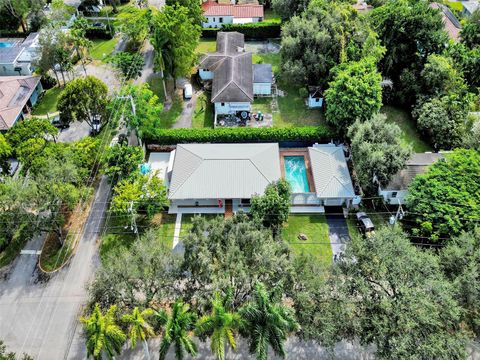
<point x="101" y="49"/>
<point x="48" y="103"/>
<point x="315" y="227"/>
<point x="187" y="221"/>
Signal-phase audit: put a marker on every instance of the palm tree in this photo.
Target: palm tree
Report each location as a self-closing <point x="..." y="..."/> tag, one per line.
<point x="177" y="326"/>
<point x="266" y="323"/>
<point x="219" y="326"/>
<point x="139" y="328"/>
<point x="104" y="336"/>
<point x="163" y="57"/>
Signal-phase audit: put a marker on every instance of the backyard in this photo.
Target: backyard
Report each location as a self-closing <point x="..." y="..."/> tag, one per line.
<point x="203" y="114"/>
<point x="315" y="227"/>
<point x="48" y="103"/>
<point x="102" y="48"/>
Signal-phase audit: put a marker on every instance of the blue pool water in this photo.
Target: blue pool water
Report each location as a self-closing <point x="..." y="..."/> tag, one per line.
<point x="296" y="173"/>
<point x="5" y="44"/>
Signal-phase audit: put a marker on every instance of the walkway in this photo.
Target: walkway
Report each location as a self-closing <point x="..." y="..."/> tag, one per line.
<point x="338" y="233"/>
<point x="177" y="244"/>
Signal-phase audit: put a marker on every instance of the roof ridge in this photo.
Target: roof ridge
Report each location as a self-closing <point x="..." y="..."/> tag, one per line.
<point x="193" y="170"/>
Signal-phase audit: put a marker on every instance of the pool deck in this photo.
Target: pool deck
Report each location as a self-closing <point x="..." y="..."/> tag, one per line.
<point x="298" y="152"/>
<point x="13" y="41"/>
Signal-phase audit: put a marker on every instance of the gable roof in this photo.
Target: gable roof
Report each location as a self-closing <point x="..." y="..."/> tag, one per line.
<point x="232" y="68"/>
<point x="450" y="23"/>
<point x="223" y="171"/>
<point x="330" y="172"/>
<point x="418" y="164"/>
<point x="14" y="94"/>
<point x="237" y="11"/>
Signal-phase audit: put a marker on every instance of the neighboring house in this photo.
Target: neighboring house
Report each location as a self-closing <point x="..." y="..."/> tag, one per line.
<point x="397" y="189"/>
<point x="18" y="94"/>
<point x="235" y="80"/>
<point x="450" y="22"/>
<point x="216" y="15"/>
<point x="315" y="97"/>
<point x="16" y="57"/>
<point x="469" y="7"/>
<point x="219" y="178"/>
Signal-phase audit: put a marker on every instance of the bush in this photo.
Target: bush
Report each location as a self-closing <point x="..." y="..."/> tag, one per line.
<point x="233" y="135"/>
<point x="100" y="33"/>
<point x="260" y="30"/>
<point x="48" y="81"/>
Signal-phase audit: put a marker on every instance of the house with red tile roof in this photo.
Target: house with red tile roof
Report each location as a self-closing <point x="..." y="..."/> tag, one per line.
<point x="450" y="23"/>
<point x="216" y="15"/>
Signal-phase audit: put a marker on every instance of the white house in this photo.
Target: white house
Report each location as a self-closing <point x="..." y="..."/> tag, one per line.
<point x="235" y="80"/>
<point x="216" y="15"/>
<point x="397" y="189"/>
<point x="16" y="57"/>
<point x="222" y="178"/>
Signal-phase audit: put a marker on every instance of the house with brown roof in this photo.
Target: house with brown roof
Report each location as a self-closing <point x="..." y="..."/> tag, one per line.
<point x="18" y="94"/>
<point x="397" y="189"/>
<point x="216" y="15"/>
<point x="235" y="79"/>
<point x="450" y="23"/>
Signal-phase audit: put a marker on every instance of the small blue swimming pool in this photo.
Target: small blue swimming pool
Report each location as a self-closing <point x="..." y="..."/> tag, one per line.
<point x="5" y="44"/>
<point x="296" y="173"/>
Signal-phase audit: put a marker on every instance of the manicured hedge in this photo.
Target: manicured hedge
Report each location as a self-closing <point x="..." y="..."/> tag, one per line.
<point x="260" y="30"/>
<point x="99" y="33"/>
<point x="234" y="135"/>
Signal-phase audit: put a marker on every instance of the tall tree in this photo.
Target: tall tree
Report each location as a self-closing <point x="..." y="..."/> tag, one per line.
<point x="273" y="207"/>
<point x="77" y="38"/>
<point x="219" y="326"/>
<point x="173" y="30"/>
<point x="104" y="336"/>
<point x="266" y="324"/>
<point x="470" y="34"/>
<point x="121" y="161"/>
<point x="177" y="327"/>
<point x="139" y="328"/>
<point x="129" y="65"/>
<point x="135" y="25"/>
<point x="289" y="8"/>
<point x="354" y="93"/>
<point x="440" y="77"/>
<point x="52" y="41"/>
<point x="377" y="151"/>
<point x="18" y="9"/>
<point x="5" y="153"/>
<point x="195" y="12"/>
<point x="445" y="200"/>
<point x="83" y="99"/>
<point x="385" y="285"/>
<point x="33" y="128"/>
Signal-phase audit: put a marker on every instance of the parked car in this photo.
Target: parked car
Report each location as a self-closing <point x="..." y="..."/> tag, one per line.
<point x="365" y="224"/>
<point x="96" y="124"/>
<point x="59" y="124"/>
<point x="187" y="91"/>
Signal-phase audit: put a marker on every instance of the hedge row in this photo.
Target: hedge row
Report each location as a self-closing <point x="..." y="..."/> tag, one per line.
<point x="234" y="135"/>
<point x="259" y="30"/>
<point x="100" y="33"/>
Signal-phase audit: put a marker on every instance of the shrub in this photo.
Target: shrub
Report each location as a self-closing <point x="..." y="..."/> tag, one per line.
<point x="48" y="81"/>
<point x="100" y="33"/>
<point x="179" y="136"/>
<point x="260" y="30"/>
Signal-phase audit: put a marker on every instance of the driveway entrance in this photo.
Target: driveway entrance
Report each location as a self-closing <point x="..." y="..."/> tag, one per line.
<point x="337" y="230"/>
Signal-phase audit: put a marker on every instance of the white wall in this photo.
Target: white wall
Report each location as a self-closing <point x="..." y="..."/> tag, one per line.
<point x="214" y="21"/>
<point x="246" y="20"/>
<point x="189" y="206"/>
<point x="9" y="69"/>
<point x="390" y="199"/>
<point x="205" y="74"/>
<point x="262" y="89"/>
<point x="312" y="103"/>
<point x="227" y="108"/>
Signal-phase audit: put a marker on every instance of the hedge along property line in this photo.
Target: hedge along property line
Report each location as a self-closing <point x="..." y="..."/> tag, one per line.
<point x="236" y="135"/>
<point x="260" y="30"/>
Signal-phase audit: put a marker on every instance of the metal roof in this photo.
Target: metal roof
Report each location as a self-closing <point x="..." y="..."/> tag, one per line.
<point x="262" y="73"/>
<point x="330" y="172"/>
<point x="223" y="171"/>
<point x="8" y="55"/>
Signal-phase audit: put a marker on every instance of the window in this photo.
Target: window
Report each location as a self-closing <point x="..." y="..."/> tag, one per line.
<point x="220" y="20"/>
<point x="394" y="194"/>
<point x="222" y="104"/>
<point x="213" y="19"/>
<point x="317" y="99"/>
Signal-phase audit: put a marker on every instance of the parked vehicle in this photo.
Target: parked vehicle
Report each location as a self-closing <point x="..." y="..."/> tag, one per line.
<point x="96" y="125"/>
<point x="187" y="91"/>
<point x="365" y="224"/>
<point x="59" y="124"/>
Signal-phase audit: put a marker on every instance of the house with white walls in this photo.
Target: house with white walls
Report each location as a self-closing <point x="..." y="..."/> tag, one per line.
<point x="216" y="15"/>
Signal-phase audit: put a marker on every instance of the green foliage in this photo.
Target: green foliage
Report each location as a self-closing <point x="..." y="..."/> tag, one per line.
<point x="354" y="93"/>
<point x="468" y="60"/>
<point x="138" y="327"/>
<point x="273" y="207"/>
<point x="289" y="8"/>
<point x="327" y="34"/>
<point x="82" y="99"/>
<point x="220" y="326"/>
<point x="129" y="65"/>
<point x="122" y="161"/>
<point x="182" y="136"/>
<point x="443" y="120"/>
<point x="445" y="200"/>
<point x="384" y="285"/>
<point x="195" y="12"/>
<point x="5" y="153"/>
<point x="148" y="107"/>
<point x="376" y="151"/>
<point x="134" y="24"/>
<point x="267" y="29"/>
<point x="460" y="262"/>
<point x="470" y="33"/>
<point x="31" y="129"/>
<point x="440" y="77"/>
<point x="4" y="355"/>
<point x="177" y="332"/>
<point x="266" y="324"/>
<point x="103" y="334"/>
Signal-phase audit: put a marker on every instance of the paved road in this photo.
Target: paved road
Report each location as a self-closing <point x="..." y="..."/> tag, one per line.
<point x="338" y="233"/>
<point x="40" y="317"/>
<point x="147" y="72"/>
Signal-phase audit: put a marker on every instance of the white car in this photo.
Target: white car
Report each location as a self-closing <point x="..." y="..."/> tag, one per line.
<point x="187" y="91"/>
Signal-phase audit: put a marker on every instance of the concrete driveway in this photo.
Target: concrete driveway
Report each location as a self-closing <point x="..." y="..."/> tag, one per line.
<point x="338" y="233"/>
<point x="77" y="131"/>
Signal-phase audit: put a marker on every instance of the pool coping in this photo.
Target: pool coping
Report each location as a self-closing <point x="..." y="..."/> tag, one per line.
<point x="306" y="159"/>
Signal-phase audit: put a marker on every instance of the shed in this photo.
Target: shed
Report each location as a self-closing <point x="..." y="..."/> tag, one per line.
<point x="315" y="97"/>
<point x="262" y="79"/>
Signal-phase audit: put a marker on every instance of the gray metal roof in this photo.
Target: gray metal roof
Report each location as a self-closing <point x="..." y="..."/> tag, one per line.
<point x="223" y="171"/>
<point x="8" y="55"/>
<point x="262" y="73"/>
<point x="418" y="164"/>
<point x="330" y="172"/>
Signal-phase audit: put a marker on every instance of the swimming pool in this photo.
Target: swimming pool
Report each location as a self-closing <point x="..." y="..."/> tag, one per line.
<point x="5" y="44"/>
<point x="296" y="173"/>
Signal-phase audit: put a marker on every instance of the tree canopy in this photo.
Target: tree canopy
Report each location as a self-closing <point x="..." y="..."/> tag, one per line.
<point x="470" y="34"/>
<point x="445" y="200"/>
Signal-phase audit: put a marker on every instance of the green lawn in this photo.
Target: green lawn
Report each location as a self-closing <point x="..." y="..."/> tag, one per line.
<point x="156" y="86"/>
<point x="187" y="221"/>
<point x="203" y="114"/>
<point x="167" y="118"/>
<point x="269" y="14"/>
<point x="101" y="48"/>
<point x="48" y="103"/>
<point x="316" y="228"/>
<point x="410" y="135"/>
<point x="206" y="46"/>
